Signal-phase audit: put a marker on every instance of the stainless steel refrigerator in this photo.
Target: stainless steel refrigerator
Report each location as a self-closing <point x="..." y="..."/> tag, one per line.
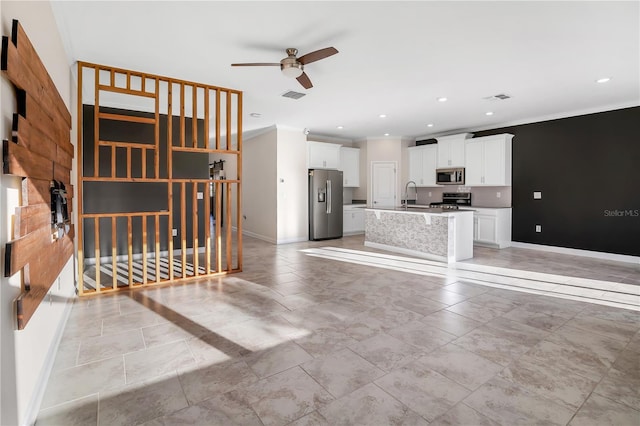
<point x="325" y="204"/>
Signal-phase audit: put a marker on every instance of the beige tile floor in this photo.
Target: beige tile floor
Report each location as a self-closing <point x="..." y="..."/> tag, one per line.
<point x="303" y="339"/>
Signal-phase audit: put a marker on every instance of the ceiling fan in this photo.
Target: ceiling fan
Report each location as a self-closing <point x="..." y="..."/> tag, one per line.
<point x="291" y="66"/>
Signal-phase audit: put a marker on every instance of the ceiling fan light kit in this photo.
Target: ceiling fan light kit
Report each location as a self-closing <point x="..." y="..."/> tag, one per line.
<point x="292" y="66"/>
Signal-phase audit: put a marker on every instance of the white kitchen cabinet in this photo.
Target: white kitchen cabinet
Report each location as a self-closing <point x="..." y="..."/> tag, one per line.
<point x="488" y="160"/>
<point x="451" y="150"/>
<point x="492" y="227"/>
<point x="350" y="166"/>
<point x="352" y="220"/>
<point x="422" y="164"/>
<point x="323" y="155"/>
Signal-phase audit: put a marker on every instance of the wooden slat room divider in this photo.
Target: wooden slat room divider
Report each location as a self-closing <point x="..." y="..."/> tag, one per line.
<point x="124" y="246"/>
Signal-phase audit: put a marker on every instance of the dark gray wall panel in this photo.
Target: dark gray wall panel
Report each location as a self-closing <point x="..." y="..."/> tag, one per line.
<point x="588" y="169"/>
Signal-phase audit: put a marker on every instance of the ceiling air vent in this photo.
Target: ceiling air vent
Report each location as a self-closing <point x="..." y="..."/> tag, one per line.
<point x="293" y="95"/>
<point x="498" y="97"/>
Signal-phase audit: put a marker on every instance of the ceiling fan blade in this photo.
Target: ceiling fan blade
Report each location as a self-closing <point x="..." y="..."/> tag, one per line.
<point x="304" y="80"/>
<point x="258" y="64"/>
<point x="317" y="55"/>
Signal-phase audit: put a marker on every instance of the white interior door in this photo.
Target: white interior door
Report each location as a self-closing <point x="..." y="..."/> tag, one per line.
<point x="383" y="183"/>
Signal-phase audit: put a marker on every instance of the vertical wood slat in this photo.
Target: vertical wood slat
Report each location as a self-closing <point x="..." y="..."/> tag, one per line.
<point x="183" y="226"/>
<point x="144" y="162"/>
<point x="207" y="143"/>
<point x="129" y="162"/>
<point x="130" y="250"/>
<point x="194" y="116"/>
<point x="112" y="78"/>
<point x="217" y="119"/>
<point x="128" y="80"/>
<point x="144" y="249"/>
<point x="194" y="221"/>
<point x="79" y="179"/>
<point x="157" y="246"/>
<point x="96" y="125"/>
<point x="96" y="248"/>
<point x="182" y="125"/>
<point x="170" y="174"/>
<point x="156" y="153"/>
<point x="218" y="241"/>
<point x="143" y="85"/>
<point x="207" y="227"/>
<point x="113" y="161"/>
<point x="229" y="240"/>
<point x="114" y="253"/>
<point x="239" y="178"/>
<point x="228" y="111"/>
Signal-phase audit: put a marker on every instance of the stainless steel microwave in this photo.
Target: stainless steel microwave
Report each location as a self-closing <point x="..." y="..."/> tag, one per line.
<point x="453" y="176"/>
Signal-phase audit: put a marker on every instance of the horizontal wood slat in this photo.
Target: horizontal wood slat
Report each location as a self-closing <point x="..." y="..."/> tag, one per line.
<point x="40" y="120"/>
<point x="63" y="158"/>
<point x="129" y="118"/>
<point x="121" y="144"/>
<point x="126" y="91"/>
<point x="30" y="218"/>
<point x="31" y="58"/>
<point x="33" y="139"/>
<point x="19" y="161"/>
<point x="36" y="191"/>
<point x="62" y="174"/>
<point x="40" y="275"/>
<point x="20" y="251"/>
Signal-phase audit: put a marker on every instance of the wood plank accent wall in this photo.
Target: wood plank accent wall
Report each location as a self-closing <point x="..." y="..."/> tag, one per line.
<point x="39" y="151"/>
<point x="149" y="257"/>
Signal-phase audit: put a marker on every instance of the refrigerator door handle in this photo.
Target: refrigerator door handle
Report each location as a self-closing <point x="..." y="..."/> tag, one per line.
<point x="328" y="197"/>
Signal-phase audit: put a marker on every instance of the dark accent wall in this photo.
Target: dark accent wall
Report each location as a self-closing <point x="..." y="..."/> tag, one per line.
<point x="123" y="197"/>
<point x="588" y="170"/>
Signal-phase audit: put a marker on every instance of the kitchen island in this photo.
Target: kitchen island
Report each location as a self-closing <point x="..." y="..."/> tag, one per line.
<point x="431" y="233"/>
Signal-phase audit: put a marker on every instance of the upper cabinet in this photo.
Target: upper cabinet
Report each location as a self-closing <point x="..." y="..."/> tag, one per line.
<point x="323" y="155"/>
<point x="488" y="160"/>
<point x="422" y="164"/>
<point x="451" y="150"/>
<point x="350" y="166"/>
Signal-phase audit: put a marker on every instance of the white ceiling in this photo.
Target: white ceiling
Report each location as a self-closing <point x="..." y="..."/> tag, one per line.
<point x="395" y="58"/>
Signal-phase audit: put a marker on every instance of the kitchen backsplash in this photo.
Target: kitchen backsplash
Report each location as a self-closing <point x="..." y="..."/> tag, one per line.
<point x="485" y="196"/>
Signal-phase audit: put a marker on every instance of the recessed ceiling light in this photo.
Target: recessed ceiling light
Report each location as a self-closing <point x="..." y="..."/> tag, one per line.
<point x="430" y="125"/>
<point x="340" y="127"/>
<point x="442" y="99"/>
<point x="386" y="134"/>
<point x="382" y="115"/>
<point x="603" y="80"/>
<point x="488" y="113"/>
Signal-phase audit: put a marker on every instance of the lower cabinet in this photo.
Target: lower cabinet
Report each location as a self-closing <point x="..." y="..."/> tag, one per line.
<point x="492" y="227"/>
<point x="352" y="220"/>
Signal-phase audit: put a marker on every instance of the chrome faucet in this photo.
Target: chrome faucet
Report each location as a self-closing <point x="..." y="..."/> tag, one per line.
<point x="406" y="194"/>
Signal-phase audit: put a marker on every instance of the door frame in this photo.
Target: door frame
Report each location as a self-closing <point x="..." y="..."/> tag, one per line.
<point x="395" y="179"/>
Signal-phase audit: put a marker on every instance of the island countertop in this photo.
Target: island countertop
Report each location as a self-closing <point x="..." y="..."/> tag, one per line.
<point x="432" y="233"/>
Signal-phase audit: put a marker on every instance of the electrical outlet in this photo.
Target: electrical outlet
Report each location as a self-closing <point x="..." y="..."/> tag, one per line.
<point x="200" y="195"/>
<point x="538" y="228"/>
<point x="498" y="194"/>
<point x="174" y="232"/>
<point x="537" y="195"/>
<point x="429" y="194"/>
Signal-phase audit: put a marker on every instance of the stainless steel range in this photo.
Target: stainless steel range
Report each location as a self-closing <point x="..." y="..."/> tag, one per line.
<point x="453" y="200"/>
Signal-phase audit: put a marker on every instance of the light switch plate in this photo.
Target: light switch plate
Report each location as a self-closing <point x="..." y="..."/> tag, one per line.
<point x="498" y="194"/>
<point x="537" y="195"/>
<point x="538" y="228"/>
<point x="200" y="195"/>
<point x="174" y="232"/>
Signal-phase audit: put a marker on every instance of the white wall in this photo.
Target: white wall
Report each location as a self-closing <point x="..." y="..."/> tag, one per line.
<point x="292" y="188"/>
<point x="27" y="355"/>
<point x="259" y="177"/>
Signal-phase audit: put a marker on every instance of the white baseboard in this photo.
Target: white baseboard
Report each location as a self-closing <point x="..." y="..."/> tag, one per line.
<point x="578" y="252"/>
<point x="259" y="236"/>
